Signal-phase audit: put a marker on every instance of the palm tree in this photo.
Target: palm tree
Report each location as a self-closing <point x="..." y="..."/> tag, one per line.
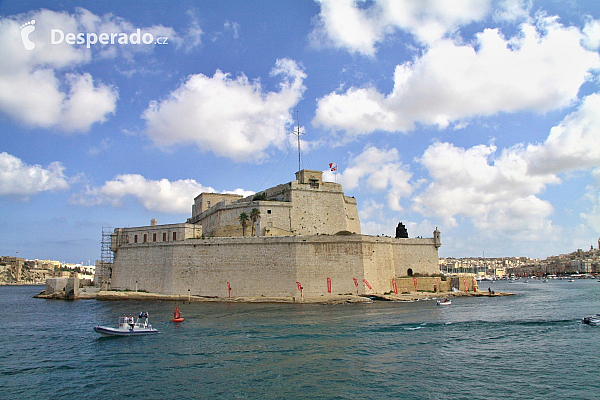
<point x="254" y="215"/>
<point x="244" y="221"/>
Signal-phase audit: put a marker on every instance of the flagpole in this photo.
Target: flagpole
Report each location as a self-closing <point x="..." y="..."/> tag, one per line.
<point x="297" y="133"/>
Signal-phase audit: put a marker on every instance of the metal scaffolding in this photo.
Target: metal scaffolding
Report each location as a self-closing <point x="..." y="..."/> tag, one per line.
<point x="104" y="266"/>
<point x="106" y="254"/>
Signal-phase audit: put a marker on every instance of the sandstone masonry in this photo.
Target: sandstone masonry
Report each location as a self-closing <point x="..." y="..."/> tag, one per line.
<point x="307" y="236"/>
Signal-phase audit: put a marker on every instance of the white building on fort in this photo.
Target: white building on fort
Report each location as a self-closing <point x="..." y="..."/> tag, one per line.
<point x="306" y="235"/>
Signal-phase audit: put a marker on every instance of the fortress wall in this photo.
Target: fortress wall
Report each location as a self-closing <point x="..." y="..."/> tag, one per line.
<point x="352" y="220"/>
<point x="326" y="215"/>
<point x="279" y="193"/>
<point x="379" y="265"/>
<point x="228" y="216"/>
<point x="424" y="284"/>
<point x="322" y="257"/>
<point x="279" y="216"/>
<point x="253" y="267"/>
<point x="149" y="264"/>
<point x="420" y="255"/>
<point x="270" y="266"/>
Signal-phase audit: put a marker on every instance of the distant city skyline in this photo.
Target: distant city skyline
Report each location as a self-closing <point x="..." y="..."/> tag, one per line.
<point x="480" y="118"/>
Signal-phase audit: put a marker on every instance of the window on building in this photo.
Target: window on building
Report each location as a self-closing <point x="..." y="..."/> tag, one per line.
<point x="164" y="236"/>
<point x="145" y="238"/>
<point x="314" y="183"/>
<point x="134" y="238"/>
<point x="208" y="204"/>
<point x="154" y="237"/>
<point x="174" y="236"/>
<point x="268" y="211"/>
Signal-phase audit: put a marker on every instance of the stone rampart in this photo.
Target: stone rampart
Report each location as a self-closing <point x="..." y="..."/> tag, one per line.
<point x="55" y="285"/>
<point x="271" y="266"/>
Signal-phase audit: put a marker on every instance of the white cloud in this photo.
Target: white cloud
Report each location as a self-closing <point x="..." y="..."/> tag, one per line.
<point x="39" y="87"/>
<point x="499" y="190"/>
<point x="358" y="27"/>
<point x="494" y="191"/>
<point x="370" y="209"/>
<point x="20" y="180"/>
<point x="591" y="32"/>
<point x="540" y="69"/>
<point x="162" y="195"/>
<point x="592" y="217"/>
<point x="233" y="118"/>
<point x="234" y="26"/>
<point x="342" y="24"/>
<point x="32" y="86"/>
<point x="379" y="170"/>
<point x="573" y="144"/>
<point x="192" y="37"/>
<point x="109" y="23"/>
<point x="513" y="10"/>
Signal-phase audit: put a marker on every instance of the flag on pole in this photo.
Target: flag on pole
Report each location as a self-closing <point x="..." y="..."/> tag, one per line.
<point x="333" y="166"/>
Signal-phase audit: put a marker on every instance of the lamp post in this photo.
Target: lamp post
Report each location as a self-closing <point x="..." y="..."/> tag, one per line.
<point x="189" y="296"/>
<point x="136" y="286"/>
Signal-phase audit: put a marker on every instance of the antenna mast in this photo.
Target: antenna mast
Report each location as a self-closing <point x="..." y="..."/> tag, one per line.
<point x="298" y="133"/>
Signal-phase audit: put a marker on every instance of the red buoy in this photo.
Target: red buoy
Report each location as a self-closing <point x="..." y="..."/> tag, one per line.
<point x="177" y="315"/>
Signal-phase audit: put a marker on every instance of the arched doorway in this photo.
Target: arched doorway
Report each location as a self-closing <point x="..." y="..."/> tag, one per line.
<point x="409" y="272"/>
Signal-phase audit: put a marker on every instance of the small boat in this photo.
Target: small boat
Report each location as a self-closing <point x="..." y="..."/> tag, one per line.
<point x="592" y="320"/>
<point x="127" y="327"/>
<point x="445" y="302"/>
<point x="177" y="315"/>
<point x="571" y="280"/>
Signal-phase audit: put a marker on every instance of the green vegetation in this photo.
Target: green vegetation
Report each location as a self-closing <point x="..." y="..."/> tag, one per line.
<point x="254" y="215"/>
<point x="243" y="218"/>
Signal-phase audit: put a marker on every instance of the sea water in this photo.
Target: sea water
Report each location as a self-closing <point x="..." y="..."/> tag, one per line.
<point x="528" y="346"/>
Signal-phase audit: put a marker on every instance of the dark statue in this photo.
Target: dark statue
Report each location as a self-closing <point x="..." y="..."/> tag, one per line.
<point x="401" y="231"/>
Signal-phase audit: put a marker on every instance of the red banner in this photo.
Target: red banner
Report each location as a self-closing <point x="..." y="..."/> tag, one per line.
<point x="415" y="283"/>
<point x="394" y="286"/>
<point x="466" y="287"/>
<point x="299" y="286"/>
<point x="367" y="283"/>
<point x="437" y="286"/>
<point x="229" y="289"/>
<point x="328" y="285"/>
<point x="355" y="284"/>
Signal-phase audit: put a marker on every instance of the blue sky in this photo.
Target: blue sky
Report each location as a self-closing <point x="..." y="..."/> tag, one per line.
<point x="479" y="117"/>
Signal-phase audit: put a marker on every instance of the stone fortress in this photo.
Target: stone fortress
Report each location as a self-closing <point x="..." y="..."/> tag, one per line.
<point x="304" y="241"/>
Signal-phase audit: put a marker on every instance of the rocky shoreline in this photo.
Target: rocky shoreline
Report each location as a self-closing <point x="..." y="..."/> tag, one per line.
<point x="111" y="295"/>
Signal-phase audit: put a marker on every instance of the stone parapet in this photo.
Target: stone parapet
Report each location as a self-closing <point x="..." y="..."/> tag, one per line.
<point x="271" y="266"/>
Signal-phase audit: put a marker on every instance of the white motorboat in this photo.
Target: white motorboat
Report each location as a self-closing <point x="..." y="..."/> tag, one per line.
<point x="592" y="320"/>
<point x="127" y="327"/>
<point x="445" y="302"/>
